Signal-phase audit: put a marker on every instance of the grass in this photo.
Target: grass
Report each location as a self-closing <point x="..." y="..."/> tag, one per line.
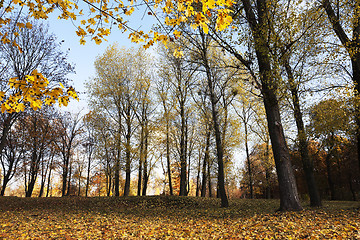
<point x="166" y="217"/>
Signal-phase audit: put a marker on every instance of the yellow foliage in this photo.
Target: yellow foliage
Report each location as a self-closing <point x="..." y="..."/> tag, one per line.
<point x="33" y="91"/>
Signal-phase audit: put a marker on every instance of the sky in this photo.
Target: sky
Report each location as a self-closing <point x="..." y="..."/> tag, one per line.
<point x="83" y="56"/>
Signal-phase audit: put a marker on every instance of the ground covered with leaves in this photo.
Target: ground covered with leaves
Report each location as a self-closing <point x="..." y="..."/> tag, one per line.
<point x="164" y="217"/>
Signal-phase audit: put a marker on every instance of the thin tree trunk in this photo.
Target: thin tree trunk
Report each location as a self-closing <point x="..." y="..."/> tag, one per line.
<point x="79" y="184"/>
<point x="219" y="148"/>
<point x="117" y="162"/>
<point x="88" y="173"/>
<point x="197" y="193"/>
<point x="183" y="162"/>
<point x="209" y="180"/>
<point x="43" y="178"/>
<point x="206" y="160"/>
<point x="248" y="162"/>
<point x="216" y="126"/>
<point x="141" y="160"/>
<point x="128" y="155"/>
<point x="188" y="155"/>
<point x="146" y="173"/>
<point x="329" y="177"/>
<point x="168" y="156"/>
<point x="352" y="190"/>
<point x="117" y="174"/>
<point x="65" y="176"/>
<point x="49" y="177"/>
<point x="69" y="180"/>
<point x="3" y="187"/>
<point x="315" y="200"/>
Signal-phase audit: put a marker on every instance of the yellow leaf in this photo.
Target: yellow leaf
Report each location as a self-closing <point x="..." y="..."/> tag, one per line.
<point x="28" y="25"/>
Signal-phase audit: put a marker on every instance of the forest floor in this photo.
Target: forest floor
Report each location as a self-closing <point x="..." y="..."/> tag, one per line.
<point x="165" y="217"/>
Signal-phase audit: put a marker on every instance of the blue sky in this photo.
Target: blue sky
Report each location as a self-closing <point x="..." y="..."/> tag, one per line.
<point x="83" y="56"/>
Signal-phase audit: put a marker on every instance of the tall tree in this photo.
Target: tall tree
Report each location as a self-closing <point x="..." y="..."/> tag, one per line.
<point x="39" y="50"/>
<point x="344" y="18"/>
<point x="70" y="127"/>
<point x="89" y="144"/>
<point x="115" y="92"/>
<point x="178" y="72"/>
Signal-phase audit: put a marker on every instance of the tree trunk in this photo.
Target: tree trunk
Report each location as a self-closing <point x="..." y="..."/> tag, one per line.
<point x="79" y="184"/>
<point x="3" y="187"/>
<point x="248" y="161"/>
<point x="69" y="180"/>
<point x="117" y="162"/>
<point x="64" y="176"/>
<point x="128" y="156"/>
<point x="315" y="200"/>
<point x="289" y="199"/>
<point x="206" y="160"/>
<point x="88" y="170"/>
<point x="146" y="173"/>
<point x="6" y="180"/>
<point x="329" y="176"/>
<point x="352" y="190"/>
<point x="356" y="79"/>
<point x="197" y="193"/>
<point x="219" y="146"/>
<point x="6" y="127"/>
<point x="209" y="180"/>
<point x="141" y="160"/>
<point x="183" y="163"/>
<point x="49" y="177"/>
<point x="188" y="155"/>
<point x="168" y="155"/>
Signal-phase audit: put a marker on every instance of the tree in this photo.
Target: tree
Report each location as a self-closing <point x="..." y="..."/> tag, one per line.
<point x="329" y="120"/>
<point x="39" y="51"/>
<point x="163" y="88"/>
<point x="70" y="127"/>
<point x="344" y="20"/>
<point x="116" y="92"/>
<point x="295" y="51"/>
<point x="179" y="74"/>
<point x="257" y="21"/>
<point x="13" y="152"/>
<point x="89" y="144"/>
<point x="27" y="51"/>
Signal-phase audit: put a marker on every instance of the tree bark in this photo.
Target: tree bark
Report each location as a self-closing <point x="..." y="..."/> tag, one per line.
<point x="209" y="179"/>
<point x="219" y="146"/>
<point x="206" y="160"/>
<point x="88" y="176"/>
<point x="197" y="193"/>
<point x="168" y="154"/>
<point x="49" y="176"/>
<point x="141" y="160"/>
<point x="117" y="160"/>
<point x="183" y="163"/>
<point x="128" y="154"/>
<point x="146" y="173"/>
<point x="69" y="181"/>
<point x="248" y="162"/>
